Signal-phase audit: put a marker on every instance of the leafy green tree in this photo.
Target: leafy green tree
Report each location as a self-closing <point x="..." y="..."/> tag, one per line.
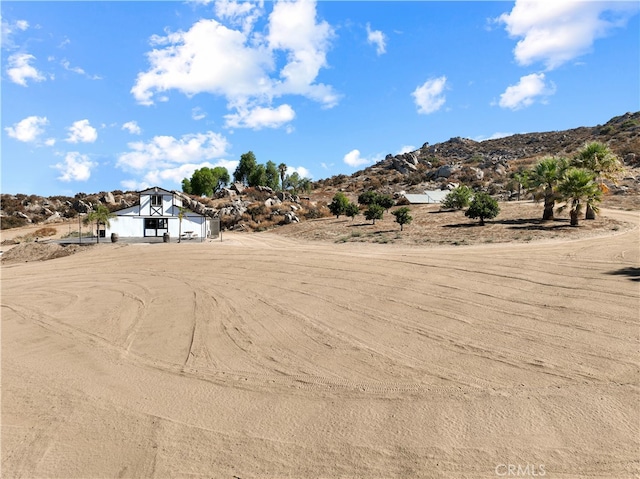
<point x="386" y="201"/>
<point x="305" y="184"/>
<point x="367" y="198"/>
<point x="247" y="164"/>
<point x="482" y="206"/>
<point x="578" y="187"/>
<point x="338" y="205"/>
<point x="282" y="169"/>
<point x="222" y="174"/>
<point x="544" y="177"/>
<point x="258" y="176"/>
<point x="186" y="186"/>
<point x="352" y="210"/>
<point x="296" y="183"/>
<point x="457" y="198"/>
<point x="272" y="175"/>
<point x="402" y="216"/>
<point x="292" y="182"/>
<point x="599" y="159"/>
<point x="206" y="181"/>
<point x="100" y="216"/>
<point x="374" y="212"/>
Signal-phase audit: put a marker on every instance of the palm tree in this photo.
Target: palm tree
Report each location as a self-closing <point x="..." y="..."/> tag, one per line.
<point x="599" y="159"/>
<point x="578" y="186"/>
<point x="101" y="216"/>
<point x="282" y="169"/>
<point x="181" y="214"/>
<point x="544" y="177"/>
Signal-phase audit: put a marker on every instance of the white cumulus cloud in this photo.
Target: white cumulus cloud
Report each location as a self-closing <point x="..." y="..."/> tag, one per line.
<point x="429" y="97"/>
<point x="163" y="152"/>
<point x="76" y="167"/>
<point x="132" y="127"/>
<point x="20" y="69"/>
<point x="377" y="38"/>
<point x="27" y="130"/>
<point x="247" y="67"/>
<point x="239" y="13"/>
<point x="261" y="117"/>
<point x="556" y="32"/>
<point x="9" y="29"/>
<point x="526" y="91"/>
<point x="82" y="132"/>
<point x="354" y="159"/>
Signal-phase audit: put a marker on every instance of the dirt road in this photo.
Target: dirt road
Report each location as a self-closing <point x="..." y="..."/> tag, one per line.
<point x="263" y="356"/>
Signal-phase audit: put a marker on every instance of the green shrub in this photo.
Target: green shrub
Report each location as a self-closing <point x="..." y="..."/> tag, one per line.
<point x="338" y="205"/>
<point x="483" y="207"/>
<point x="352" y="210"/>
<point x="374" y="212"/>
<point x="402" y="216"/>
<point x="457" y="198"/>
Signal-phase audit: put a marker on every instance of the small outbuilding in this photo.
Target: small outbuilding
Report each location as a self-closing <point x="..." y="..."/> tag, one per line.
<point x="156" y="214"/>
<point x="431" y="196"/>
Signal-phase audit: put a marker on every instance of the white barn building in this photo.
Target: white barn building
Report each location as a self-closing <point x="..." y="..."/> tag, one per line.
<point x="156" y="214"/>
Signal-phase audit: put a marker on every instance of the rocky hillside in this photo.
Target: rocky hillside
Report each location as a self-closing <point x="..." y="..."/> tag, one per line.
<point x="488" y="165"/>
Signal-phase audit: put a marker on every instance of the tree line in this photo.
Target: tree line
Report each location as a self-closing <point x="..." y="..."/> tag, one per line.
<point x="577" y="182"/>
<point x="208" y="181"/>
<point x="376" y="204"/>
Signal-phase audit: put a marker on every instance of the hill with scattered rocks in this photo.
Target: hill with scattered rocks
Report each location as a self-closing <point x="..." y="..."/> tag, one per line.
<point x="484" y="165"/>
<point x="489" y="165"/>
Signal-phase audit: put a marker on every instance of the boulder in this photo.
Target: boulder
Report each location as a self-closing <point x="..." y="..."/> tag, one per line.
<point x="82" y="207"/>
<point x="478" y="172"/>
<point x="226" y="193"/>
<point x="238" y="187"/>
<point x="269" y="202"/>
<point x="404" y="165"/>
<point x="20" y="214"/>
<point x="289" y="218"/>
<point x="445" y="171"/>
<point x="108" y="199"/>
<point x="284" y="196"/>
<point x="53" y="218"/>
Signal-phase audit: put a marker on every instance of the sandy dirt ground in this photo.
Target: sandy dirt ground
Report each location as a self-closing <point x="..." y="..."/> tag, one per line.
<point x="264" y="356"/>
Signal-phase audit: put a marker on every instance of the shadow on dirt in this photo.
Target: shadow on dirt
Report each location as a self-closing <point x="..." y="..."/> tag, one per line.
<point x="631" y="272"/>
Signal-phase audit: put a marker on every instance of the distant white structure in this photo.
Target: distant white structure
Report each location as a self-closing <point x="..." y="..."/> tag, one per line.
<point x="156" y="214"/>
<point x="430" y="196"/>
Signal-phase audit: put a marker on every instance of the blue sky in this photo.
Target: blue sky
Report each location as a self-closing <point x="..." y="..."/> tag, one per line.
<point x="100" y="96"/>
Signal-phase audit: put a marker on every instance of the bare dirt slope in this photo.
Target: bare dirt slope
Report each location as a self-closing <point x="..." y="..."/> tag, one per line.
<point x="264" y="356"/>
